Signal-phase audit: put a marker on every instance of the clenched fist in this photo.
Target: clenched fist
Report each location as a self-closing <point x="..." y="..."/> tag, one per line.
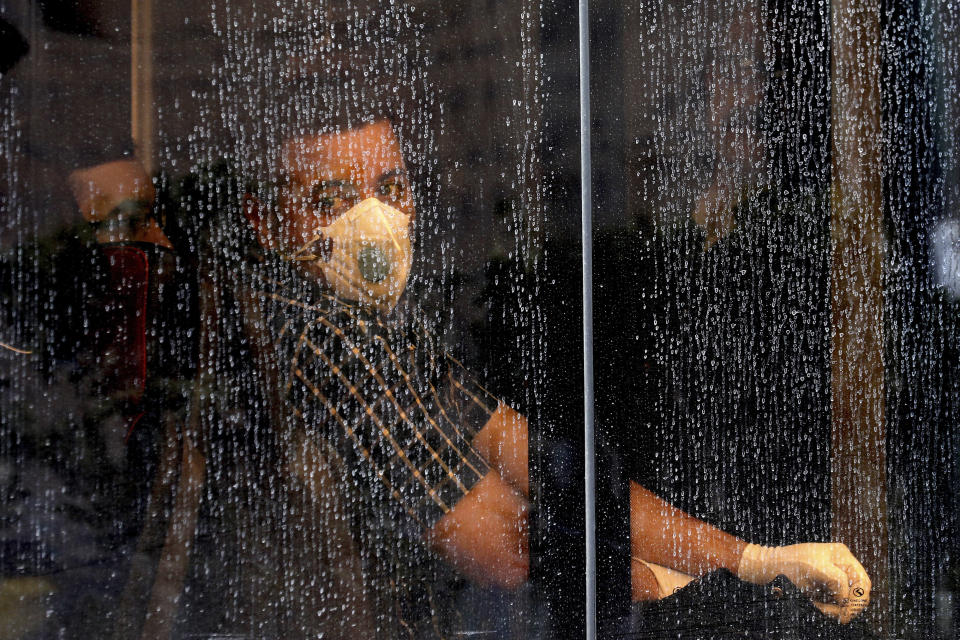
<point x="827" y="572"/>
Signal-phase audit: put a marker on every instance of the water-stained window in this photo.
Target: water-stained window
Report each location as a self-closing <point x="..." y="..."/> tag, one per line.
<point x="509" y="320"/>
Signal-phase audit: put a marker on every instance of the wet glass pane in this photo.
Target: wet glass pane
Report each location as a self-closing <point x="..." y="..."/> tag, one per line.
<point x="921" y="304"/>
<point x="775" y="322"/>
<point x="277" y="306"/>
<point x="291" y="337"/>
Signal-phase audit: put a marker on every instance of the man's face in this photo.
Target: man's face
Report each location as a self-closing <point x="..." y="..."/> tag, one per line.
<point x="326" y="175"/>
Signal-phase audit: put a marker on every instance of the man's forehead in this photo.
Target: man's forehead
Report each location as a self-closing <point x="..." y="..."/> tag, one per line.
<point x="370" y="148"/>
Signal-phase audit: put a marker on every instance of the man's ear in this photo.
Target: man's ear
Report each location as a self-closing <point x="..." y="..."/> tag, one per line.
<point x="255" y="213"/>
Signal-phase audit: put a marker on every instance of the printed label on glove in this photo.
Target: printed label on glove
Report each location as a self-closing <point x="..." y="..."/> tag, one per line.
<point x="858" y="599"/>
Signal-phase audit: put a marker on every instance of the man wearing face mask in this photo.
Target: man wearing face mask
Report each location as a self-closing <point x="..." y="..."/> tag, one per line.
<point x="365" y="429"/>
<point x="358" y="386"/>
<point x="395" y="405"/>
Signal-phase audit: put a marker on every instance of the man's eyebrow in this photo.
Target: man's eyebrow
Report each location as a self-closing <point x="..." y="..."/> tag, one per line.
<point x="393" y="173"/>
<point x="325" y="184"/>
<point x="344" y="187"/>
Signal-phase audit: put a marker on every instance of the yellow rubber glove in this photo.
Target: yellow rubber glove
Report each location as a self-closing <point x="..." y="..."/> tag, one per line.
<point x="827" y="572"/>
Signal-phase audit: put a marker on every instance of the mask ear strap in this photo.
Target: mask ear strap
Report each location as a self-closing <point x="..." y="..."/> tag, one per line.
<point x="299" y="255"/>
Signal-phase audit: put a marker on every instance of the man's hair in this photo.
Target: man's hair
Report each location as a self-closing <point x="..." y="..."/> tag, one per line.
<point x="297" y="76"/>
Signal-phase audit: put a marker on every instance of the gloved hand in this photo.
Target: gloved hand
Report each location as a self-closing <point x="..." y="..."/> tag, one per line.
<point x="827" y="572"/>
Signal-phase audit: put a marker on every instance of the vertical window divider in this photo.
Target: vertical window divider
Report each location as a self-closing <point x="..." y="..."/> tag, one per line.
<point x="586" y="197"/>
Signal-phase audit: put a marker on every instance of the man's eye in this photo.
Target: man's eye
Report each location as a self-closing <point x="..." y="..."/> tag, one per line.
<point x="326" y="198"/>
<point x="391" y="190"/>
<point x="326" y="203"/>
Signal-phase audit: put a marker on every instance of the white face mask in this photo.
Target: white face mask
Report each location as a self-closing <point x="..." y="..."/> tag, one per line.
<point x="371" y="255"/>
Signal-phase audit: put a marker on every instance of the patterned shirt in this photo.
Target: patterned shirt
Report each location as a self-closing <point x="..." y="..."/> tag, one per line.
<point x="400" y="411"/>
